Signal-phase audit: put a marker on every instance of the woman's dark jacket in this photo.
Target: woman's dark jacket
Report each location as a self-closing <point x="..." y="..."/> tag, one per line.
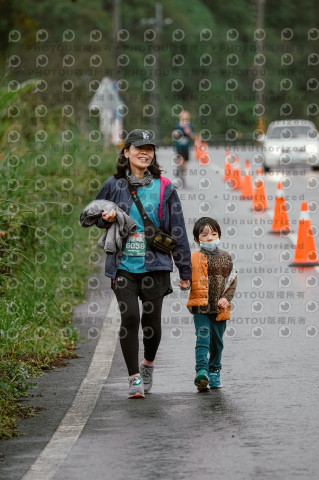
<point x="171" y="222"/>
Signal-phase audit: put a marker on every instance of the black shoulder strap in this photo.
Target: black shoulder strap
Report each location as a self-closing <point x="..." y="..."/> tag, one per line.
<point x="138" y="204"/>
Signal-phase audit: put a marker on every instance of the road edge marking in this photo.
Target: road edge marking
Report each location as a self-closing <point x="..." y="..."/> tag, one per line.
<point x="72" y="424"/>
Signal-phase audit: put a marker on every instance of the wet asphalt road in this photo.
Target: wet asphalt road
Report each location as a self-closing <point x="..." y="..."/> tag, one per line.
<point x="263" y="423"/>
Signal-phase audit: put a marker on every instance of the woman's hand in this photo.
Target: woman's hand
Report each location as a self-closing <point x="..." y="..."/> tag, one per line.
<point x="223" y="302"/>
<point x="188" y="132"/>
<point x="184" y="284"/>
<point x="109" y="216"/>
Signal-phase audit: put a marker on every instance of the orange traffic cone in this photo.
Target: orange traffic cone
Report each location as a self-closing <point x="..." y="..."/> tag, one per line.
<point x="203" y="158"/>
<point x="227" y="168"/>
<point x="197" y="143"/>
<point x="236" y="174"/>
<point x="246" y="183"/>
<point x="280" y="223"/>
<point x="259" y="193"/>
<point x="305" y="252"/>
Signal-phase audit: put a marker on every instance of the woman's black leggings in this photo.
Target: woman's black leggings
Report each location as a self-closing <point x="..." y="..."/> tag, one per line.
<point x="127" y="291"/>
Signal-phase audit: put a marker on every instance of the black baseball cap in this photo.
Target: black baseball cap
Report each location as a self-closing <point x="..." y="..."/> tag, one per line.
<point x="140" y="137"/>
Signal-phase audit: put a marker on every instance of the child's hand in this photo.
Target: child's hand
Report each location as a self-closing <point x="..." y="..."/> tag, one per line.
<point x="184" y="284"/>
<point x="109" y="217"/>
<point x="223" y="302"/>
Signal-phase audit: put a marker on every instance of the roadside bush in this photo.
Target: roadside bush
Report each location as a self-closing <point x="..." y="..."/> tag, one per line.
<point x="43" y="188"/>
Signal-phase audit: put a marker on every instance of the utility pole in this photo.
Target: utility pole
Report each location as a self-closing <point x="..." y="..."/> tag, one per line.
<point x="155" y="76"/>
<point x="115" y="42"/>
<point x="157" y="23"/>
<point x="259" y="41"/>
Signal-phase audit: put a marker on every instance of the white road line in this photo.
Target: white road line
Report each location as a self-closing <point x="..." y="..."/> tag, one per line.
<point x="70" y="428"/>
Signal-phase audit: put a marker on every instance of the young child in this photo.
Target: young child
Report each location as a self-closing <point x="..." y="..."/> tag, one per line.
<point x="214" y="281"/>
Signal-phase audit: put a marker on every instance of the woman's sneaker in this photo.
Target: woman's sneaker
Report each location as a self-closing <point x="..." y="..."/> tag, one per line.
<point x="147" y="376"/>
<point x="201" y="380"/>
<point x="136" y="387"/>
<point x="214" y="379"/>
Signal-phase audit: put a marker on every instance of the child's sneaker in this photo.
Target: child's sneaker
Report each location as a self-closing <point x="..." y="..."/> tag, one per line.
<point x="147" y="376"/>
<point x="201" y="380"/>
<point x="136" y="387"/>
<point x="214" y="379"/>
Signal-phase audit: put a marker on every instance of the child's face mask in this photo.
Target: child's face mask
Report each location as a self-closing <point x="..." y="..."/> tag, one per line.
<point x="210" y="246"/>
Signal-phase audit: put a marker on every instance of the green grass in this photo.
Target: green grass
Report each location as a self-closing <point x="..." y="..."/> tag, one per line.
<point x="43" y="256"/>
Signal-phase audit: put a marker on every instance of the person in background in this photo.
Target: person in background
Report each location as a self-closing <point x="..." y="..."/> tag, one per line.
<point x="183" y="136"/>
<point x="139" y="272"/>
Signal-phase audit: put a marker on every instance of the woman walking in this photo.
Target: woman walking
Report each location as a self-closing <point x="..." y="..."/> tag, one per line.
<point x="141" y="271"/>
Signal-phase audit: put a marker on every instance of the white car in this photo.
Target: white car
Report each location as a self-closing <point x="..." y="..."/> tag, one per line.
<point x="290" y="142"/>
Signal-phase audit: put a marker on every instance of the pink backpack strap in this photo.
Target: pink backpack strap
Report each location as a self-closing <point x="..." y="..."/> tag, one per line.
<point x="164" y="181"/>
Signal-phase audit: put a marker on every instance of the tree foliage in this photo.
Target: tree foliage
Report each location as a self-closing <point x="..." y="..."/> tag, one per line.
<point x="205" y="60"/>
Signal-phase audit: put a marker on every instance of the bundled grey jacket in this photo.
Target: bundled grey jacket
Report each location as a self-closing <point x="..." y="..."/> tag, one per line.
<point x="112" y="239"/>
